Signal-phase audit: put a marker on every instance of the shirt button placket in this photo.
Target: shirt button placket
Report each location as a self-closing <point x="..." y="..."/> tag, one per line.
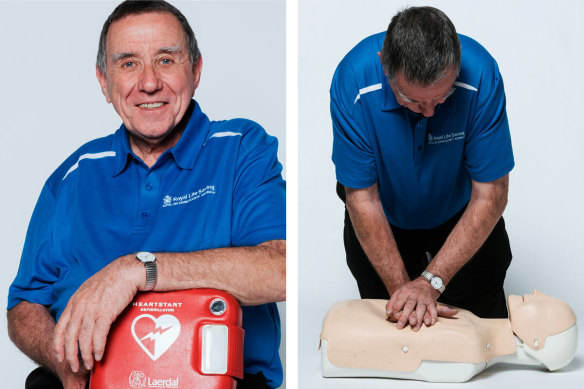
<point x="148" y="199"/>
<point x="420" y="138"/>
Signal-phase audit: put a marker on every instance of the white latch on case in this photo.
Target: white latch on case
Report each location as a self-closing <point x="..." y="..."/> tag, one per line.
<point x="214" y="349"/>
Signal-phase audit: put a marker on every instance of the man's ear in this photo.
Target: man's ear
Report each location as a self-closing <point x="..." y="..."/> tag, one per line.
<point x="379" y="55"/>
<point x="102" y="78"/>
<point x="197" y="68"/>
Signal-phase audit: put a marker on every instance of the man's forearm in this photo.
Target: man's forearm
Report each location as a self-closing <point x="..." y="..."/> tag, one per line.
<point x="485" y="208"/>
<point x="253" y="275"/>
<point x="374" y="234"/>
<point x="30" y="327"/>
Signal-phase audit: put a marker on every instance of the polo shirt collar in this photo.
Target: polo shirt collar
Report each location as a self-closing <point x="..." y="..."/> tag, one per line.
<point x="389" y="101"/>
<point x="185" y="152"/>
<point x="191" y="142"/>
<point x="122" y="148"/>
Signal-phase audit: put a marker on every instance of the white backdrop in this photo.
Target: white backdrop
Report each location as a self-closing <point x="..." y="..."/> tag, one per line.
<point x="50" y="101"/>
<point x="538" y="45"/>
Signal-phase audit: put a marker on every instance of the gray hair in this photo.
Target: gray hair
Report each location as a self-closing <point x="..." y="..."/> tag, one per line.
<point x="422" y="44"/>
<point x="137" y="7"/>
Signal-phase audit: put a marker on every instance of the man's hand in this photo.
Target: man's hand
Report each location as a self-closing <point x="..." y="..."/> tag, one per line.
<point x="72" y="380"/>
<point x="91" y="311"/>
<point x="415" y="303"/>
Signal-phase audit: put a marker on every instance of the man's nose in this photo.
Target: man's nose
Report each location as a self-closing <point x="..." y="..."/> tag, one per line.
<point x="428" y="109"/>
<point x="149" y="80"/>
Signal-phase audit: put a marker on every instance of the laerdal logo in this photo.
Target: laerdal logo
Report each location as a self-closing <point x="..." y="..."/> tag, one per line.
<point x="139" y="380"/>
<point x="155" y="335"/>
<point x="171" y="201"/>
<point x="445" y="138"/>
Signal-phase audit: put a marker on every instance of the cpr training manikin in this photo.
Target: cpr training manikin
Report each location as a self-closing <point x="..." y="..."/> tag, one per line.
<point x="358" y="341"/>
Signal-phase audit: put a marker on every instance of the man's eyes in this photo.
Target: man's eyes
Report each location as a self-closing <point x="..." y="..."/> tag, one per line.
<point x="132" y="64"/>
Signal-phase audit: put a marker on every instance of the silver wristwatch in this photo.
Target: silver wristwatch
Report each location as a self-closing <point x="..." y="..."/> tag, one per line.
<point x="435" y="281"/>
<point x="149" y="261"/>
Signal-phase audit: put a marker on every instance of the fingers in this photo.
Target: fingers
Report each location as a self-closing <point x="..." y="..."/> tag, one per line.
<point x="427" y="318"/>
<point x="86" y="342"/>
<point x="419" y="316"/>
<point x="396" y="304"/>
<point x="73" y="336"/>
<point x="59" y="336"/>
<point x="71" y="351"/>
<point x="102" y="327"/>
<point x="77" y="329"/>
<point x="414" y="303"/>
<point x="405" y="316"/>
<point x="445" y="311"/>
<point x="433" y="313"/>
<point x="388" y="311"/>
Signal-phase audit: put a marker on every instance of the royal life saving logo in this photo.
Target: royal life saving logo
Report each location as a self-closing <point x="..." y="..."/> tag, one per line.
<point x="445" y="138"/>
<point x="171" y="201"/>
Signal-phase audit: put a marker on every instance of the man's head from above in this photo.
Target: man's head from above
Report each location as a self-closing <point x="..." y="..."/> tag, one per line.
<point x="421" y="58"/>
<point x="148" y="66"/>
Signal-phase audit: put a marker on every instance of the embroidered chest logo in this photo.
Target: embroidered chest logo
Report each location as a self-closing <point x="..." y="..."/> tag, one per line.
<point x="445" y="138"/>
<point x="171" y="201"/>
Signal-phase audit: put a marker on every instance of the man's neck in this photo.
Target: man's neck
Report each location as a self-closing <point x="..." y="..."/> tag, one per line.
<point x="149" y="150"/>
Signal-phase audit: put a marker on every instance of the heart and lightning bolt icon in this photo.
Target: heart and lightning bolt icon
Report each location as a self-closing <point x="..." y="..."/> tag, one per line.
<point x="153" y="335"/>
<point x="158" y="339"/>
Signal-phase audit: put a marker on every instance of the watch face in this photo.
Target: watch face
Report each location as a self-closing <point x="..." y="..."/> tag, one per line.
<point x="436" y="282"/>
<point x="145" y="256"/>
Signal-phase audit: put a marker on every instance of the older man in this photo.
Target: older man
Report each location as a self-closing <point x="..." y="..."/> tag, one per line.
<point x="422" y="153"/>
<point x="204" y="199"/>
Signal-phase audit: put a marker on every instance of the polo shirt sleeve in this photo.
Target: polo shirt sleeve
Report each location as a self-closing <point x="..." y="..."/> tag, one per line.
<point x="353" y="156"/>
<point x="488" y="153"/>
<point x="37" y="271"/>
<point x="259" y="194"/>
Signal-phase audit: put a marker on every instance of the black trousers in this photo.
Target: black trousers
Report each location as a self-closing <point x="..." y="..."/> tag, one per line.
<point x="477" y="287"/>
<point x="41" y="378"/>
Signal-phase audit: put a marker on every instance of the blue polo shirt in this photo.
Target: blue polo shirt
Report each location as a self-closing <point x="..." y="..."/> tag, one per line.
<point x="424" y="166"/>
<point x="219" y="186"/>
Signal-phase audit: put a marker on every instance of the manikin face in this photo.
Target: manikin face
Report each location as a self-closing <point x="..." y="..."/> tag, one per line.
<point x="536" y="301"/>
<point x="150" y="80"/>
<point x="537" y="313"/>
<point x="423" y="99"/>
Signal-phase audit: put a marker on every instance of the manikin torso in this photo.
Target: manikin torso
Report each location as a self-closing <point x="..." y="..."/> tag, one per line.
<point x="357" y="341"/>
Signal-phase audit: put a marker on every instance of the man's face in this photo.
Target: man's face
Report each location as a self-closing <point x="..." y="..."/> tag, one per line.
<point x="150" y="80"/>
<point x="423" y="99"/>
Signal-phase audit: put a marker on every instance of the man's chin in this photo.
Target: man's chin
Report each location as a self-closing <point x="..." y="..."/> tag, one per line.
<point x="151" y="135"/>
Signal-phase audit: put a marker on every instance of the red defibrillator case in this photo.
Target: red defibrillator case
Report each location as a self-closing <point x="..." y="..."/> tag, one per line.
<point x="190" y="339"/>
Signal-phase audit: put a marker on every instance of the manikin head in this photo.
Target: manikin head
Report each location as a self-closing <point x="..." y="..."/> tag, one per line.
<point x="546" y="325"/>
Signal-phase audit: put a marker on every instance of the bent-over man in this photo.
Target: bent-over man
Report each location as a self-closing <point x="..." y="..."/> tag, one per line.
<point x="422" y="152"/>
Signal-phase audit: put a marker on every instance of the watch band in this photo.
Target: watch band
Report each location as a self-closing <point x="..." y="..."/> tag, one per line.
<point x="435" y="281"/>
<point x="151" y="275"/>
<point x="149" y="261"/>
<point x="427" y="275"/>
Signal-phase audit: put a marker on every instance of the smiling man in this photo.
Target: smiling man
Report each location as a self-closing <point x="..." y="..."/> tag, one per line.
<point x="202" y="202"/>
<point x="422" y="152"/>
